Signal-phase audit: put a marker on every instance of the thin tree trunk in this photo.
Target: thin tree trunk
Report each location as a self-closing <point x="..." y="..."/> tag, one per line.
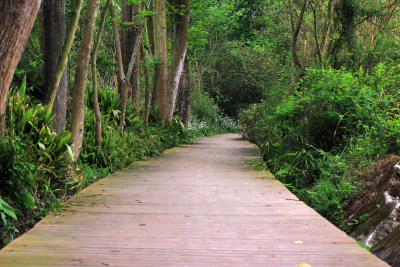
<point x="316" y="34"/>
<point x="148" y="87"/>
<point x="326" y="29"/>
<point x="135" y="80"/>
<point x="63" y="60"/>
<point x="161" y="53"/>
<point x="16" y="20"/>
<point x="184" y="104"/>
<point x="78" y="100"/>
<point x="179" y="47"/>
<point x="129" y="34"/>
<point x="291" y="15"/>
<point x="295" y="35"/>
<point x="54" y="36"/>
<point x="39" y="20"/>
<point x="122" y="88"/>
<point x="150" y="33"/>
<point x="94" y="76"/>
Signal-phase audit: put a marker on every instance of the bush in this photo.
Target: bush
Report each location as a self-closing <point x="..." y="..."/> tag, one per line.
<point x="334" y="121"/>
<point x="34" y="159"/>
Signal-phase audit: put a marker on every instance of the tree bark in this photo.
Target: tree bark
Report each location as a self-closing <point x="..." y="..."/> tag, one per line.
<point x="129" y="35"/>
<point x="295" y="36"/>
<point x="78" y="100"/>
<point x="94" y="76"/>
<point x="317" y="46"/>
<point x="16" y="20"/>
<point x="184" y="104"/>
<point x="122" y="87"/>
<point x="39" y="20"/>
<point x="161" y="54"/>
<point x="63" y="59"/>
<point x="147" y="101"/>
<point x="150" y="33"/>
<point x="179" y="48"/>
<point x="54" y="35"/>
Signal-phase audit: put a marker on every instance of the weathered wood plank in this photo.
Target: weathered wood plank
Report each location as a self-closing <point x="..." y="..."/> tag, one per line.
<point x="197" y="205"/>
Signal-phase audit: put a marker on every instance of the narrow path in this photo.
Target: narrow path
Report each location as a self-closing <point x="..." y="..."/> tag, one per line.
<point x="197" y="205"/>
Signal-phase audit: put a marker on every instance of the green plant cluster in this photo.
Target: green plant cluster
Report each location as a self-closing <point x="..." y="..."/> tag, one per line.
<point x="334" y="122"/>
<point x="207" y="118"/>
<point x="33" y="161"/>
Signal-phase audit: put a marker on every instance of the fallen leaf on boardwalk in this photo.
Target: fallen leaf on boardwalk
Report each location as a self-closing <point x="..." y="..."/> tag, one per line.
<point x="298" y="242"/>
<point x="304" y="265"/>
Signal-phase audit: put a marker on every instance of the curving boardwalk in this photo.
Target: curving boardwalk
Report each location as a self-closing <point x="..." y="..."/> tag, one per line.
<point x="197" y="205"/>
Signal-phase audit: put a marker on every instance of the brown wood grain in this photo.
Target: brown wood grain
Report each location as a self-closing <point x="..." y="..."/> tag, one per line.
<point x="196" y="205"/>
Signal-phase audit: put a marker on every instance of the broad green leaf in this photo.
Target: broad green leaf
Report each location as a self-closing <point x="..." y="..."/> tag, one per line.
<point x="70" y="152"/>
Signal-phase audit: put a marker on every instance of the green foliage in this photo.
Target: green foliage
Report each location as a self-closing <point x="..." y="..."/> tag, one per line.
<point x="138" y="141"/>
<point x="238" y="76"/>
<point x="34" y="159"/>
<point x="6" y="211"/>
<point x="7" y="218"/>
<point x="335" y="120"/>
<point x="17" y="171"/>
<point x="207" y="118"/>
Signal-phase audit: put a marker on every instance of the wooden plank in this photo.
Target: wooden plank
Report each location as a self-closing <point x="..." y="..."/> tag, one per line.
<point x="197" y="205"/>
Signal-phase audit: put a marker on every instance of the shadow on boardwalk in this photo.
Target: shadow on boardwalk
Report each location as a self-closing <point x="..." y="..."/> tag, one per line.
<point x="197" y="205"/>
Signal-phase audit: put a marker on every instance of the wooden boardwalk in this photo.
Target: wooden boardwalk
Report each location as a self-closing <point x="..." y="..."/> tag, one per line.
<point x="197" y="205"/>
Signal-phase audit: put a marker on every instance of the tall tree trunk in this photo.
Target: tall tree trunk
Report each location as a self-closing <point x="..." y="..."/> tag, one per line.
<point x="54" y="36"/>
<point x="184" y="104"/>
<point x="78" y="99"/>
<point x="150" y="33"/>
<point x="129" y="34"/>
<point x="179" y="47"/>
<point x="39" y="20"/>
<point x="135" y="79"/>
<point x="63" y="59"/>
<point x="122" y="88"/>
<point x="317" y="46"/>
<point x="326" y="29"/>
<point x="94" y="76"/>
<point x="148" y="87"/>
<point x="161" y="53"/>
<point x="16" y="20"/>
<point x="295" y="36"/>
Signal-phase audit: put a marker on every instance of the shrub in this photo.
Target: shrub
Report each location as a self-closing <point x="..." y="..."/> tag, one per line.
<point x="35" y="158"/>
<point x="335" y="120"/>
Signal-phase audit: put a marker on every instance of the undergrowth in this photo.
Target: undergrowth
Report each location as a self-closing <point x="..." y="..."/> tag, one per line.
<point x="332" y="125"/>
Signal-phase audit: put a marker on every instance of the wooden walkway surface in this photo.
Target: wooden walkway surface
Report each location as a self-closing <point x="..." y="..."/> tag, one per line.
<point x="197" y="205"/>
